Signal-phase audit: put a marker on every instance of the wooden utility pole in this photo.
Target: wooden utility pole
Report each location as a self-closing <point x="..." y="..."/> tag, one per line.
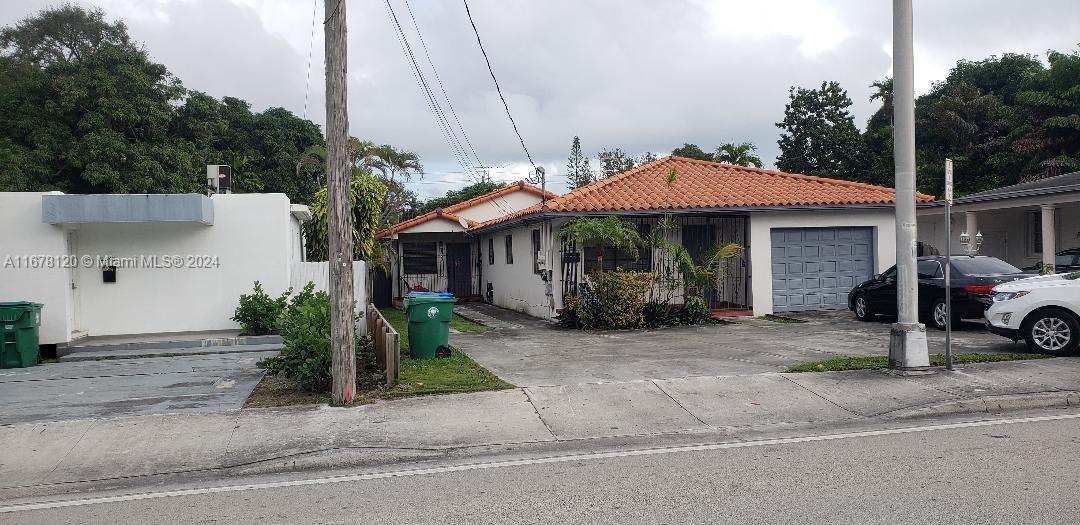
<point x="338" y="177"/>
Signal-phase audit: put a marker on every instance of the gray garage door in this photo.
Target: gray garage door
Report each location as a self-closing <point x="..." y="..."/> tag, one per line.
<point x="815" y="268"/>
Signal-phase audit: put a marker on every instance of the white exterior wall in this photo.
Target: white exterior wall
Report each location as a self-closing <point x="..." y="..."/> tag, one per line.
<point x="26" y="235"/>
<point x="761" y="224"/>
<point x="504" y="205"/>
<point x="437" y="225"/>
<point x="251" y="237"/>
<point x="516" y="286"/>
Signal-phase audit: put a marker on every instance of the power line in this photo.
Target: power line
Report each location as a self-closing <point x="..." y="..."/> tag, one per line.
<point x="455" y="146"/>
<point x="311" y="45"/>
<point x="497" y="88"/>
<point x="442" y="88"/>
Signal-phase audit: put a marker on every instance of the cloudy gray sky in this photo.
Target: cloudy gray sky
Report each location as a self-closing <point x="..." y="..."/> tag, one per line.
<point x="642" y="75"/>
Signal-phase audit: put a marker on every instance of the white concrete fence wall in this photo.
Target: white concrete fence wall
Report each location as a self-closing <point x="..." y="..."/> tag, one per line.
<point x="319" y="273"/>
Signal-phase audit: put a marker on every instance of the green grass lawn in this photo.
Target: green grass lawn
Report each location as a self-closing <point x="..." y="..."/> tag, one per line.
<point x="396" y="318"/>
<point x="455" y="374"/>
<point x="458" y="373"/>
<point x="879" y="361"/>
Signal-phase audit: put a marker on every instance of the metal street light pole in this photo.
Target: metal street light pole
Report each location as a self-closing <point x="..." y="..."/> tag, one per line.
<point x="948" y="263"/>
<point x="907" y="342"/>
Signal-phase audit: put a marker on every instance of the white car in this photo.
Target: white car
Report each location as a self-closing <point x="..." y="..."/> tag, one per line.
<point x="1044" y="311"/>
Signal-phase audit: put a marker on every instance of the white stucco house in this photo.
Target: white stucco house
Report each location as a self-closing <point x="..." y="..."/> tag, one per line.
<point x="436" y="252"/>
<point x="807" y="240"/>
<point x="1025" y="224"/>
<point x="144" y="264"/>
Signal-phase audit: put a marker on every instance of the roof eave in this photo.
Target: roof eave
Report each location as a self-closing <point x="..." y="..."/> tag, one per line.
<point x="673" y="211"/>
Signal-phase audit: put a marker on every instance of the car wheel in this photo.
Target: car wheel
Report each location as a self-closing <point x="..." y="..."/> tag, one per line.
<point x="1052" y="331"/>
<point x="863" y="312"/>
<point x="937" y="315"/>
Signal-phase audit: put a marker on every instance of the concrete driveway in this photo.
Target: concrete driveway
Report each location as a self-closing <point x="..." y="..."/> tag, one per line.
<point x="529" y="352"/>
<point x="116" y="387"/>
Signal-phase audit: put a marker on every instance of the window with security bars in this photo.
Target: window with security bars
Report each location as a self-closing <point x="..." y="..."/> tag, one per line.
<point x="419" y="257"/>
<point x="620" y="258"/>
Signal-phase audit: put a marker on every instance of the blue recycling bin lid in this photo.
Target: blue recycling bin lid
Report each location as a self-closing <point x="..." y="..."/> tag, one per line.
<point x="429" y="294"/>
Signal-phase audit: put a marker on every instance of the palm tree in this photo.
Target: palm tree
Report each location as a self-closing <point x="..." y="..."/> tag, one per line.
<point x="608" y="232"/>
<point x="401" y="162"/>
<point x="742" y="154"/>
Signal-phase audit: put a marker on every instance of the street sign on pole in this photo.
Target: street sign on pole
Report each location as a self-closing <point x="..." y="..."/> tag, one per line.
<point x="948" y="181"/>
<point x="948" y="263"/>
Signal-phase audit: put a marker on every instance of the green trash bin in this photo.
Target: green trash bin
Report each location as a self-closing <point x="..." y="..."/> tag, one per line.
<point x="19" y="323"/>
<point x="429" y="317"/>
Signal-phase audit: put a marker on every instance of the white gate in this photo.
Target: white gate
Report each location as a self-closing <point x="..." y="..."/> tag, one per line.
<point x="319" y="273"/>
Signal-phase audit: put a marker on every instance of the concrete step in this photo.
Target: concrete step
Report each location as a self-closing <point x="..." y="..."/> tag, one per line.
<point x="177" y="342"/>
<point x="95" y="354"/>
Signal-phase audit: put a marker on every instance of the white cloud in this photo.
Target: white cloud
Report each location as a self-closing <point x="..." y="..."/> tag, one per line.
<point x="643" y="75"/>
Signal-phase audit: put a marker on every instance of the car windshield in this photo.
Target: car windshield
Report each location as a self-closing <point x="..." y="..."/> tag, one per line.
<point x="982" y="266"/>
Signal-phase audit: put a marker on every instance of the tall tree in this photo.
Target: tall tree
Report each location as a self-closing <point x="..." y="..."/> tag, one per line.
<point x="691" y="151"/>
<point x="819" y="136"/>
<point x="1049" y="129"/>
<point x="578" y="173"/>
<point x="614" y="161"/>
<point x="877" y="147"/>
<point x="83" y="109"/>
<point x="741" y="154"/>
<point x="62" y="34"/>
<point x="647" y="157"/>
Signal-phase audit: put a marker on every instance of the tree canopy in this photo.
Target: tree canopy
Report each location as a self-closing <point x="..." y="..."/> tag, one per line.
<point x="578" y="172"/>
<point x="691" y="151"/>
<point x="741" y="154"/>
<point x="453" y="197"/>
<point x="1003" y="120"/>
<point x="85" y="110"/>
<point x="818" y="134"/>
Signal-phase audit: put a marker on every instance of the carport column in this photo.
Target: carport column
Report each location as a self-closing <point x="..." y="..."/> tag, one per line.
<point x="1049" y="236"/>
<point x="907" y="342"/>
<point x="972" y="227"/>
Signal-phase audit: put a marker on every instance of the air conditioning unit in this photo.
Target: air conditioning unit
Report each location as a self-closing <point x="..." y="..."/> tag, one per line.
<point x="218" y="178"/>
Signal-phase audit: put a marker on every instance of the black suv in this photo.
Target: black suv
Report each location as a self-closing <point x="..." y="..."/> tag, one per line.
<point x="972" y="279"/>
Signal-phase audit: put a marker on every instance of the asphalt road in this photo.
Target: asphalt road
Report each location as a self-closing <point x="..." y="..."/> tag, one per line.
<point x="1018" y="472"/>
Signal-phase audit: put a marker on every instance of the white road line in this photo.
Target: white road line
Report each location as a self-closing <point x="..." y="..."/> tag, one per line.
<point x="519" y="462"/>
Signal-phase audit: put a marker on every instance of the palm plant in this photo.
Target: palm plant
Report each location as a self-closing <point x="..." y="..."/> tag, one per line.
<point x="742" y="154"/>
<point x="607" y="232"/>
<point x="707" y="269"/>
<point x="366" y="195"/>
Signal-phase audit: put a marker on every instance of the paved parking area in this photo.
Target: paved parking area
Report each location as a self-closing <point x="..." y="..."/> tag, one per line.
<point x="530" y="352"/>
<point x="116" y="387"/>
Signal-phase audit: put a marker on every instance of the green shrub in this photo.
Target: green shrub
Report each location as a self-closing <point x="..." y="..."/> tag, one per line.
<point x="307" y="354"/>
<point x="622" y="296"/>
<point x="569" y="316"/>
<point x="658" y="313"/>
<point x="695" y="311"/>
<point x="258" y="313"/>
<point x="616" y="299"/>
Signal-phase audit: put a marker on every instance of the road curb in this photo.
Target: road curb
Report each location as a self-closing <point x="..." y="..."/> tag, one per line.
<point x="992" y="405"/>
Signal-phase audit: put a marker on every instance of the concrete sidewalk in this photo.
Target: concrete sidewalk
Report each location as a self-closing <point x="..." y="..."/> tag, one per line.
<point x="39" y="458"/>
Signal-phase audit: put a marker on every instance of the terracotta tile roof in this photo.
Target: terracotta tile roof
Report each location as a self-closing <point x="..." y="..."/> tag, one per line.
<point x="702" y="184"/>
<point x="449" y="212"/>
